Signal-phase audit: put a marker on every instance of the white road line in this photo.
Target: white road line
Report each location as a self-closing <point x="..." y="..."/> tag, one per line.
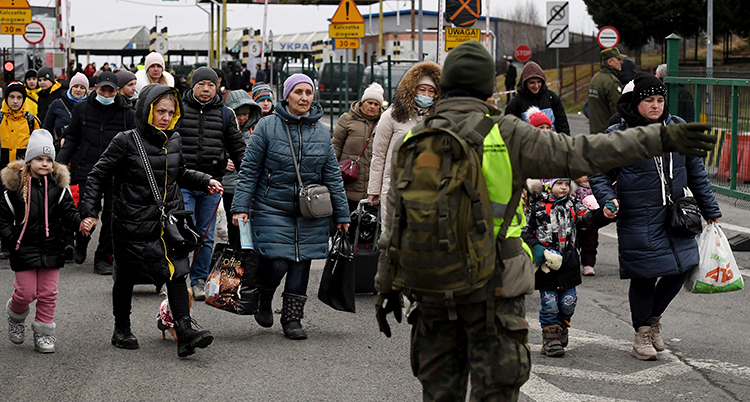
<point x="734" y="228"/>
<point x="539" y="390"/>
<point x="721" y="367"/>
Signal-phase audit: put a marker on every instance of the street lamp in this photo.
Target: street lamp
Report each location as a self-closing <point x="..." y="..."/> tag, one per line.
<point x="156" y="23"/>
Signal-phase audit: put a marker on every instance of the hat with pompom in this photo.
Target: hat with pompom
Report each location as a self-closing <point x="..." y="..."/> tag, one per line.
<point x="536" y="117"/>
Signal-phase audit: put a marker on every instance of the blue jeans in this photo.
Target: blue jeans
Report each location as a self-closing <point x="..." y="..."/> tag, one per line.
<point x="557" y="306"/>
<point x="203" y="205"/>
<point x="272" y="271"/>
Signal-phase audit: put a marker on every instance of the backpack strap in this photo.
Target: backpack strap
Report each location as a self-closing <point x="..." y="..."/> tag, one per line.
<point x="31" y="119"/>
<point x="1" y="117"/>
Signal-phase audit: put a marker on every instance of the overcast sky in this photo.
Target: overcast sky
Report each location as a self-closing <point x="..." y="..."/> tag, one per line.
<point x="183" y="16"/>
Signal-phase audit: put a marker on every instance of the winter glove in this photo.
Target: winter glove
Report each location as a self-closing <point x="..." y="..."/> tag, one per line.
<point x="538" y="251"/>
<point x="388" y="302"/>
<point x="610" y="205"/>
<point x="687" y="139"/>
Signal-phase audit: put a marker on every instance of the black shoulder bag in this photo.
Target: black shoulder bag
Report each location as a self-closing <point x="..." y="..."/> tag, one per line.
<point x="684" y="213"/>
<point x="179" y="232"/>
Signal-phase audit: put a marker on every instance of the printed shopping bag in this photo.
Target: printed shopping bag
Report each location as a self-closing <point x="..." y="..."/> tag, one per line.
<point x="232" y="284"/>
<point x="717" y="270"/>
<point x="337" y="283"/>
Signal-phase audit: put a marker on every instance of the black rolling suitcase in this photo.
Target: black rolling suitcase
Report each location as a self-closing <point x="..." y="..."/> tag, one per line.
<point x="364" y="238"/>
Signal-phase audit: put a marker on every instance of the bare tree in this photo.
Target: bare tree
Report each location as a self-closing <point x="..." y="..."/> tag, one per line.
<point x="522" y="26"/>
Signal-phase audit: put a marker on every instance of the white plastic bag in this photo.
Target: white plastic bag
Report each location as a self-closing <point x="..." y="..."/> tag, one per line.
<point x="717" y="270"/>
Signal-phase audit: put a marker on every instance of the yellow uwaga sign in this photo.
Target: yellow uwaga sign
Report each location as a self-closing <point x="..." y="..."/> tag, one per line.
<point x="346" y="30"/>
<point x="457" y="36"/>
<point x="12" y="29"/>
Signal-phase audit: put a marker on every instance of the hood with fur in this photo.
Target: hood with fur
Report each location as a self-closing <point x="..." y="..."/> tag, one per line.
<point x="403" y="102"/>
<point x="11" y="175"/>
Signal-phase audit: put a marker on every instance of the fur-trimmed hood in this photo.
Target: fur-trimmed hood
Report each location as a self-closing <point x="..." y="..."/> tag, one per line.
<point x="11" y="175"/>
<point x="404" y="105"/>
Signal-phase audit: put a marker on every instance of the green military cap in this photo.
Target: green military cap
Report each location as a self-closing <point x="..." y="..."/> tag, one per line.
<point x="612" y="52"/>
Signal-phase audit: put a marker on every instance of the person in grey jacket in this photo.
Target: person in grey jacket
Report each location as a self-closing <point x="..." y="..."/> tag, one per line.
<point x="248" y="114"/>
<point x="266" y="195"/>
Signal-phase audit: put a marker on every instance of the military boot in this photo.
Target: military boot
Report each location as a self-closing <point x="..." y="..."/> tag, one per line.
<point x="264" y="317"/>
<point x="551" y="345"/>
<point x="292" y="311"/>
<point x="189" y="338"/>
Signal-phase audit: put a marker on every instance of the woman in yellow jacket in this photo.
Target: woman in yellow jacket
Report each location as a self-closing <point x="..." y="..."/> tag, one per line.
<point x="16" y="124"/>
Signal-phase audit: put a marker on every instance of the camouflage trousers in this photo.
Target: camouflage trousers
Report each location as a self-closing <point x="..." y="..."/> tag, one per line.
<point x="445" y="353"/>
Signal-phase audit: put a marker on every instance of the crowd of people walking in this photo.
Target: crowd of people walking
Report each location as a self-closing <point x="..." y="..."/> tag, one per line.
<point x="139" y="148"/>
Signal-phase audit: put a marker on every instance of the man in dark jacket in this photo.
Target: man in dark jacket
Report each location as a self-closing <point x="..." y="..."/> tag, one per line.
<point x="532" y="91"/>
<point x="604" y="90"/>
<point x="510" y="79"/>
<point x="209" y="132"/>
<point x="50" y="90"/>
<point x="448" y="329"/>
<point x="95" y="121"/>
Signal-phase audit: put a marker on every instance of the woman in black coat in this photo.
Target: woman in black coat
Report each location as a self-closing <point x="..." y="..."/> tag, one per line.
<point x="140" y="248"/>
<point x="652" y="256"/>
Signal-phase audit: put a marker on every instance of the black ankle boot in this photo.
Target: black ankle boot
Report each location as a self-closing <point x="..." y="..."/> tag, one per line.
<point x="264" y="317"/>
<point x="292" y="312"/>
<point x="123" y="338"/>
<point x="189" y="338"/>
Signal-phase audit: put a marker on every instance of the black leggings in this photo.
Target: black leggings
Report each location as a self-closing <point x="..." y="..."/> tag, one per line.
<point x="650" y="298"/>
<point x="122" y="296"/>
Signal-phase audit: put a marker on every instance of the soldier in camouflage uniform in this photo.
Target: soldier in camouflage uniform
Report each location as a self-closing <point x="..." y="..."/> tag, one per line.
<point x="485" y="333"/>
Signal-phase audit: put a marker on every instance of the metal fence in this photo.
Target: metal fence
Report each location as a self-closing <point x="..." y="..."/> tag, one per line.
<point x="725" y="104"/>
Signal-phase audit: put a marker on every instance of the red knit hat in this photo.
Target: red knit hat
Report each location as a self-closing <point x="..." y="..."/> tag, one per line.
<point x="536" y="117"/>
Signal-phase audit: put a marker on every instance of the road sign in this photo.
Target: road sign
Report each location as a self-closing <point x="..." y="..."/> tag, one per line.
<point x="347" y="13"/>
<point x="346" y="30"/>
<point x="253" y="48"/>
<point x="457" y="36"/>
<point x="15" y="16"/>
<point x="346" y="43"/>
<point x="558" y="34"/>
<point x="557" y="13"/>
<point x="608" y="37"/>
<point x="523" y="53"/>
<point x="35" y="33"/>
<point x="161" y="45"/>
<point x="13" y="29"/>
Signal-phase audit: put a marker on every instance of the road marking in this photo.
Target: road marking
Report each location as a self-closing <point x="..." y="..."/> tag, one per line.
<point x="539" y="390"/>
<point x="669" y="365"/>
<point x="609" y="231"/>
<point x="734" y="228"/>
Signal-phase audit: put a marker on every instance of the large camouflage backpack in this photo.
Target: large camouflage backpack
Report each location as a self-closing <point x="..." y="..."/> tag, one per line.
<point x="442" y="242"/>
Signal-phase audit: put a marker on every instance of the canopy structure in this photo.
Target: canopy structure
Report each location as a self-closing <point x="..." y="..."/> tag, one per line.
<point x="129" y="41"/>
<point x="295" y="2"/>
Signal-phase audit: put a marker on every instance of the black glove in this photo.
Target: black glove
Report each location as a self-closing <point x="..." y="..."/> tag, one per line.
<point x="687" y="139"/>
<point x="388" y="302"/>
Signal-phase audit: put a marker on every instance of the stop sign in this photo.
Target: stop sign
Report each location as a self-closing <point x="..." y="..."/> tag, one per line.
<point x="523" y="53"/>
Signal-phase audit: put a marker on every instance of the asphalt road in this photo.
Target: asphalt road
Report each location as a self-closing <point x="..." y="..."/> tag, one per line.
<point x="347" y="359"/>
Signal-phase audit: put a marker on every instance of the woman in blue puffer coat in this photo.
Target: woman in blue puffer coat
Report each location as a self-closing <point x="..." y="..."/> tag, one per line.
<point x="655" y="259"/>
<point x="267" y="195"/>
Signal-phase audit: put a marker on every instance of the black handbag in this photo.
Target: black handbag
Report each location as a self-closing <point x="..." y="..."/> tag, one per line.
<point x="337" y="283"/>
<point x="179" y="232"/>
<point x="684" y="213"/>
